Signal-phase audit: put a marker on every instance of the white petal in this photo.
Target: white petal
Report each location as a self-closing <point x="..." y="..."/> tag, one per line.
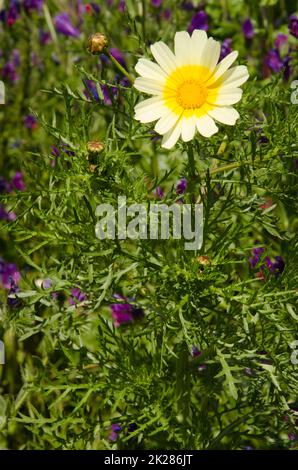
<point x="228" y="96"/>
<point x="225" y="64"/>
<point x="148" y="69"/>
<point x="171" y="137"/>
<point x="164" y="56"/>
<point x="148" y="86"/>
<point x="206" y="126"/>
<point x="199" y="41"/>
<point x="183" y="47"/>
<point x="188" y="128"/>
<point x="149" y="110"/>
<point x="166" y="123"/>
<point x="235" y="77"/>
<point x="210" y="54"/>
<point x="226" y="115"/>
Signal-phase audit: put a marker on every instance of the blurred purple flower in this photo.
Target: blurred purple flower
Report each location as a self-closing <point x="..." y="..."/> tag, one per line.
<point x="13" y="302"/>
<point x="76" y="296"/>
<point x="4" y="215"/>
<point x="118" y="56"/>
<point x="64" y="26"/>
<point x="156" y="3"/>
<point x="248" y="29"/>
<point x="113" y="436"/>
<point x="187" y="5"/>
<point x="30" y="122"/>
<point x="33" y="5"/>
<point x="225" y="48"/>
<point x="273" y="61"/>
<point x="280" y="40"/>
<point x="125" y="313"/>
<point x="9" y="72"/>
<point x="17" y="182"/>
<point x="293" y="26"/>
<point x="181" y="186"/>
<point x="44" y="37"/>
<point x="122" y="6"/>
<point x="256" y="252"/>
<point x="159" y="193"/>
<point x="9" y="274"/>
<point x="121" y="313"/>
<point x="195" y="351"/>
<point x="198" y="21"/>
<point x="292" y="436"/>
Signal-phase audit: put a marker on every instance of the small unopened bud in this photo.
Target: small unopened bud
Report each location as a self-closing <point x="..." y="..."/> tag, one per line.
<point x="92" y="168"/>
<point x="204" y="260"/>
<point x="95" y="147"/>
<point x="97" y="43"/>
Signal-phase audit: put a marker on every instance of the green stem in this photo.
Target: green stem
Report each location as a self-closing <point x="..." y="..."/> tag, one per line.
<point x="192" y="170"/>
<point x="220" y="169"/>
<point x="122" y="69"/>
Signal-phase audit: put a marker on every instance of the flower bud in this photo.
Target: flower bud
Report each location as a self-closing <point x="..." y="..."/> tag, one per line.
<point x="97" y="43"/>
<point x="95" y="147"/>
<point x="204" y="260"/>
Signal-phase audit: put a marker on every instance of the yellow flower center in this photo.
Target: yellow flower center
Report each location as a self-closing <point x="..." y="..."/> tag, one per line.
<point x="191" y="94"/>
<point x="188" y="91"/>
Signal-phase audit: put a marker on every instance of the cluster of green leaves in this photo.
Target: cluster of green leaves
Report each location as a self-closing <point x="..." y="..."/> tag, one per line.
<point x="69" y="372"/>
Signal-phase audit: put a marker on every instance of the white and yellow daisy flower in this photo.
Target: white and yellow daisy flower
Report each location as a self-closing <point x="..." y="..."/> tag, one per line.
<point x="190" y="88"/>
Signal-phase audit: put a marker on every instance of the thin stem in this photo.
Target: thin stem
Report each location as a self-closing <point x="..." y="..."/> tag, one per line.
<point x="220" y="169"/>
<point x="122" y="69"/>
<point x="192" y="170"/>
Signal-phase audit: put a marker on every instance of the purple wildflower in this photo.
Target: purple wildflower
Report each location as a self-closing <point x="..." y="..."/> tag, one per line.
<point x="248" y="29"/>
<point x="292" y="436"/>
<point x="274" y="61"/>
<point x="279" y="265"/>
<point x="118" y="56"/>
<point x="132" y="427"/>
<point x="116" y="427"/>
<point x="121" y="313"/>
<point x="113" y="436"/>
<point x="166" y="14"/>
<point x="13" y="302"/>
<point x="46" y="283"/>
<point x="76" y="296"/>
<point x="198" y="21"/>
<point x="9" y="274"/>
<point x="122" y="6"/>
<point x="187" y="5"/>
<point x="30" y="5"/>
<point x="9" y="72"/>
<point x="254" y="260"/>
<point x="17" y="182"/>
<point x="125" y="313"/>
<point x="159" y="193"/>
<point x="64" y="26"/>
<point x="91" y="90"/>
<point x="156" y="3"/>
<point x="195" y="351"/>
<point x="225" y="48"/>
<point x="6" y="215"/>
<point x="181" y="186"/>
<point x="280" y="40"/>
<point x="44" y="37"/>
<point x="293" y="26"/>
<point x="30" y="122"/>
